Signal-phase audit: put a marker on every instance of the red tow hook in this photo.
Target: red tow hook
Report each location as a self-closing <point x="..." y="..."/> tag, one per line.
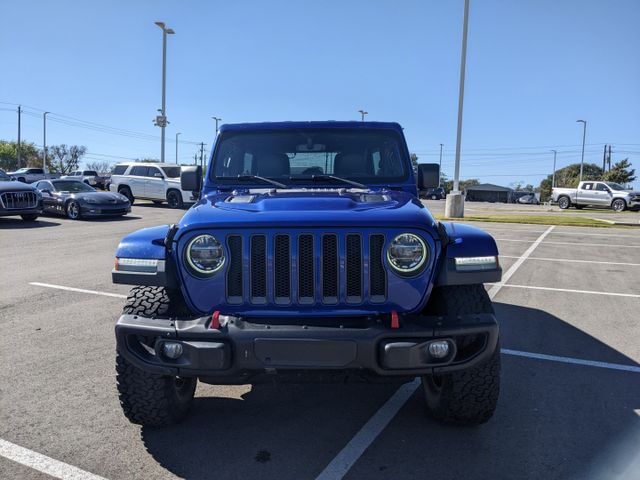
<point x="395" y="323"/>
<point x="215" y="320"/>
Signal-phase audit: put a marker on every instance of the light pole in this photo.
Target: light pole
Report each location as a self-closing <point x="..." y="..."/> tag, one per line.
<point x="363" y="113"/>
<point x="553" y="178"/>
<point x="454" y="206"/>
<point x="162" y="120"/>
<point x="440" y="163"/>
<point x="216" y="119"/>
<point x="44" y="141"/>
<point x="177" y="147"/>
<point x="584" y="136"/>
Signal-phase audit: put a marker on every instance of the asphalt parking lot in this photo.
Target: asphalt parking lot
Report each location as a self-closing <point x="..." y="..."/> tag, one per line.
<point x="569" y="313"/>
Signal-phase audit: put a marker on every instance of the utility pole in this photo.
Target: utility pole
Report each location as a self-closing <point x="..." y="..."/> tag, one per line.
<point x="19" y="122"/>
<point x="177" y="147"/>
<point x="202" y="154"/>
<point x="44" y="141"/>
<point x="604" y="160"/>
<point x="195" y="158"/>
<point x="553" y="178"/>
<point x="584" y="136"/>
<point x="216" y="119"/>
<point x="609" y="158"/>
<point x="363" y="113"/>
<point x="161" y="120"/>
<point x="454" y="206"/>
<point x="440" y="171"/>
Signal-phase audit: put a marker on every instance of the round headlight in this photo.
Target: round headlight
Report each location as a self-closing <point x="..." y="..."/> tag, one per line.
<point x="407" y="253"/>
<point x="205" y="255"/>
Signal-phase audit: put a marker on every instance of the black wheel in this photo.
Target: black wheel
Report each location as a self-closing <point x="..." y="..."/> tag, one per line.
<point x="174" y="199"/>
<point x="618" y="205"/>
<point x="146" y="398"/>
<point x="22" y="179"/>
<point x="434" y="197"/>
<point x="30" y="217"/>
<point x="464" y="397"/>
<point x="564" y="203"/>
<point x="73" y="210"/>
<point x="126" y="191"/>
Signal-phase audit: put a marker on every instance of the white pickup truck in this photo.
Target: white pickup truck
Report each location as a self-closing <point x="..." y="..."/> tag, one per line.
<point x="90" y="177"/>
<point x="597" y="194"/>
<point x="30" y="175"/>
<point x="158" y="182"/>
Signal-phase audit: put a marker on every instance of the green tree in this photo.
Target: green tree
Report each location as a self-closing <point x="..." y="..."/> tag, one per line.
<point x="569" y="177"/>
<point x="448" y="185"/>
<point x="414" y="160"/>
<point x="64" y="159"/>
<point x="621" y="173"/>
<point x="30" y="156"/>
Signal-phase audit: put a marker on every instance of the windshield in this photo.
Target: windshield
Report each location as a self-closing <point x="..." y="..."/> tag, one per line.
<point x="4" y="177"/>
<point x="365" y="156"/>
<point x="615" y="186"/>
<point x="171" y="172"/>
<point x="71" y="186"/>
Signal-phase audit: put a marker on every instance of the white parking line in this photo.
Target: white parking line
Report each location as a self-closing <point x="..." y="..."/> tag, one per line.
<point x="352" y="451"/>
<point x="43" y="464"/>
<point x="573" y="244"/>
<point x="575" y="261"/>
<point x="79" y="290"/>
<point x="569" y="290"/>
<point x="573" y="361"/>
<point x="499" y="230"/>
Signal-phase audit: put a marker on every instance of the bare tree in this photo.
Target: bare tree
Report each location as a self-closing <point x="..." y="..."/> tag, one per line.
<point x="100" y="166"/>
<point x="65" y="159"/>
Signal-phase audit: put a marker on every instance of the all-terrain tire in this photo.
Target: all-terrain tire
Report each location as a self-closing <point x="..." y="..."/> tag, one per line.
<point x="464" y="397"/>
<point x="174" y="199"/>
<point x="146" y="398"/>
<point x="618" y="205"/>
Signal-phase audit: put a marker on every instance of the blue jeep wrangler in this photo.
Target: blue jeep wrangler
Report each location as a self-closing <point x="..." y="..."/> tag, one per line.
<point x="308" y="256"/>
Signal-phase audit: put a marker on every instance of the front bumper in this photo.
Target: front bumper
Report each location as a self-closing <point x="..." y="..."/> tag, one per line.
<point x="20" y="211"/>
<point x="240" y="349"/>
<point x="98" y="210"/>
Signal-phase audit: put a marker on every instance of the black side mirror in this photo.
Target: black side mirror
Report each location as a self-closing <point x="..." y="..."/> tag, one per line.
<point x="191" y="178"/>
<point x="428" y="175"/>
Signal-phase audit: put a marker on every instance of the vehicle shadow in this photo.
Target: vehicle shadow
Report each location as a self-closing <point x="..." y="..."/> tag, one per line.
<point x="554" y="420"/>
<point x="18" y="223"/>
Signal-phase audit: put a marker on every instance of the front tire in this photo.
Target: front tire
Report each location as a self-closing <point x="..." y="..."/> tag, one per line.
<point x="73" y="210"/>
<point x="618" y="205"/>
<point x="126" y="191"/>
<point x="150" y="399"/>
<point x="470" y="396"/>
<point x="30" y="217"/>
<point x="174" y="199"/>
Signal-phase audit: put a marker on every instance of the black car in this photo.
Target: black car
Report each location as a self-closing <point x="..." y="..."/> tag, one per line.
<point x="76" y="199"/>
<point x="437" y="193"/>
<point x="17" y="198"/>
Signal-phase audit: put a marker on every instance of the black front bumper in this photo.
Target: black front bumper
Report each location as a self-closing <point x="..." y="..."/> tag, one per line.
<point x="239" y="349"/>
<point x="98" y="210"/>
<point x="20" y="211"/>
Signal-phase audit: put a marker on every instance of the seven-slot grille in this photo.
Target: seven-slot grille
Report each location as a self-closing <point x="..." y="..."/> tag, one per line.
<point x="19" y="200"/>
<point x="305" y="269"/>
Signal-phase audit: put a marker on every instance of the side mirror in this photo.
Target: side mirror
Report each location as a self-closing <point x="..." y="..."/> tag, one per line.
<point x="428" y="175"/>
<point x="191" y="178"/>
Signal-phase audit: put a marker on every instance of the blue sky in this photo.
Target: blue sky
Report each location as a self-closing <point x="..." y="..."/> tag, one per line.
<point x="534" y="67"/>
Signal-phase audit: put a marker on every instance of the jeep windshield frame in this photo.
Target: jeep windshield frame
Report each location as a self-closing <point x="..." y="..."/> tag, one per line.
<point x="311" y="157"/>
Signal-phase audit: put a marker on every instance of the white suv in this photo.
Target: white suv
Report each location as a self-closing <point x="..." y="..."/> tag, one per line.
<point x="159" y="182"/>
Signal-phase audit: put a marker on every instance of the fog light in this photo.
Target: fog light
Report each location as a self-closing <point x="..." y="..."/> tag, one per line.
<point x="172" y="349"/>
<point x="439" y="349"/>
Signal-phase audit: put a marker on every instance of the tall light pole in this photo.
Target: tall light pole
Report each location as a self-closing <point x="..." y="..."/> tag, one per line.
<point x="363" y="113"/>
<point x="440" y="163"/>
<point x="161" y="121"/>
<point x="584" y="136"/>
<point x="553" y="178"/>
<point x="454" y="206"/>
<point x="44" y="141"/>
<point x="177" y="147"/>
<point x="216" y="119"/>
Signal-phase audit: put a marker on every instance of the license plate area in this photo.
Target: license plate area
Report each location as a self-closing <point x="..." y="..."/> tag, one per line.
<point x="305" y="353"/>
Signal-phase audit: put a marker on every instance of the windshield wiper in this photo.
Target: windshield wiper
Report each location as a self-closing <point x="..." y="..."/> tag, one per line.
<point x="255" y="177"/>
<point x="317" y="178"/>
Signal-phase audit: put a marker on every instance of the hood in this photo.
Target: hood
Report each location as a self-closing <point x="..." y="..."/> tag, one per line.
<point x="15" y="186"/>
<point x="307" y="208"/>
<point x="102" y="197"/>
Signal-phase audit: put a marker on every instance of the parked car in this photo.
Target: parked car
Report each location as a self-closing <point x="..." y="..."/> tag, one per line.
<point x="437" y="193"/>
<point x="597" y="194"/>
<point x="17" y="198"/>
<point x="334" y="270"/>
<point x="530" y="199"/>
<point x="159" y="182"/>
<point x="90" y="177"/>
<point x="30" y="175"/>
<point x="75" y="199"/>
